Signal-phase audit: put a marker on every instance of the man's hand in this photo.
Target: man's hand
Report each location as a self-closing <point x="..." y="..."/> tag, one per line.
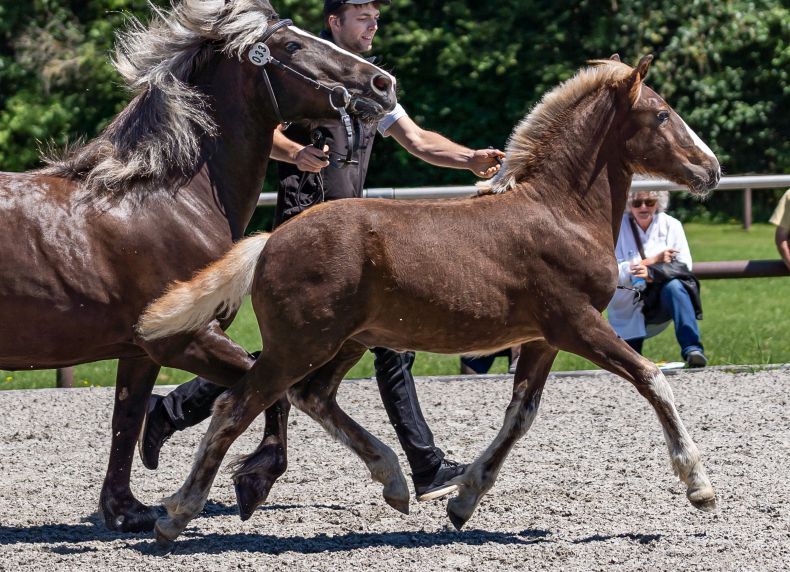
<point x="310" y="159"/>
<point x="485" y="163"/>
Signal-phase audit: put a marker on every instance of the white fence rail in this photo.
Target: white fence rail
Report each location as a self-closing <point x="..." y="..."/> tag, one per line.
<point x="732" y="183"/>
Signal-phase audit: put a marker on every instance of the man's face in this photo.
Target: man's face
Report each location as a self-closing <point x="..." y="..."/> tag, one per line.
<point x="353" y="29"/>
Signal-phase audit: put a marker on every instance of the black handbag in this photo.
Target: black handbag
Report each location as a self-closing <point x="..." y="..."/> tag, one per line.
<point x="660" y="274"/>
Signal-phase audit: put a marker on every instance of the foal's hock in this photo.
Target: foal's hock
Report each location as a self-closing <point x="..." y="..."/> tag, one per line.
<point x="471" y="275"/>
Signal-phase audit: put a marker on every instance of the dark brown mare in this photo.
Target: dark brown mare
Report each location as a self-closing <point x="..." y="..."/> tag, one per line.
<point x="87" y="242"/>
<point x="538" y="267"/>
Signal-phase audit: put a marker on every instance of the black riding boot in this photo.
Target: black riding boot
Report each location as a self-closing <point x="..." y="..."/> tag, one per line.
<point x="396" y="385"/>
<point x="191" y="402"/>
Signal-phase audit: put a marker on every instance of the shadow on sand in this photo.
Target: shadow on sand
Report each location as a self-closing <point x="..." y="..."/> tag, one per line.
<point x="69" y="538"/>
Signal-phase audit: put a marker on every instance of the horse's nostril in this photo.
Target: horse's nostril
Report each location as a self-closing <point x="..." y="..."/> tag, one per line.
<point x="381" y="83"/>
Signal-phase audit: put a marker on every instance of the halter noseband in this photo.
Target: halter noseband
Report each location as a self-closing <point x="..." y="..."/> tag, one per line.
<point x="261" y="56"/>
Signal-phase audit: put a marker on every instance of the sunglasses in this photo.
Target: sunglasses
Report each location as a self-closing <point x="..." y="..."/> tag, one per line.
<point x="647" y="202"/>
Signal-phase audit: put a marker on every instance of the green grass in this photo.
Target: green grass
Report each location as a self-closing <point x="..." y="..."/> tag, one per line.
<point x="745" y="321"/>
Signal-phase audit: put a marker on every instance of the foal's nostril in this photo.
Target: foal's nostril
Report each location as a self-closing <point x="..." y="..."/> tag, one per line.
<point x="381" y="83"/>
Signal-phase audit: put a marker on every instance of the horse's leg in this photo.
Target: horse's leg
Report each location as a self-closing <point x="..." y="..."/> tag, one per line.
<point x="271" y="375"/>
<point x="208" y="352"/>
<point x="594" y="339"/>
<point x="316" y="396"/>
<point x="216" y="351"/>
<point x="257" y="472"/>
<point x="532" y="370"/>
<point x="121" y="510"/>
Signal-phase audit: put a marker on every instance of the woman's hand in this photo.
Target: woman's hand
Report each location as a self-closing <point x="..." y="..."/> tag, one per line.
<point x="640" y="271"/>
<point x="664" y="256"/>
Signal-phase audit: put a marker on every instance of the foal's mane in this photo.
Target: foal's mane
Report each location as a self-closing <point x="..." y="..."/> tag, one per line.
<point x="156" y="140"/>
<point x="524" y="150"/>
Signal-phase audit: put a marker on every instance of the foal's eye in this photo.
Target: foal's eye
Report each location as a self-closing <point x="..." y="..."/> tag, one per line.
<point x="291" y="47"/>
<point x="663" y="116"/>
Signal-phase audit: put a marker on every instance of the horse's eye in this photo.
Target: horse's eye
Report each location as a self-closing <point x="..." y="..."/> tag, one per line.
<point x="291" y="47"/>
<point x="663" y="116"/>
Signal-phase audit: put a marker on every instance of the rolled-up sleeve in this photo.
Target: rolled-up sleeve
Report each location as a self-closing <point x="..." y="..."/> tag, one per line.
<point x="677" y="240"/>
<point x="389" y="120"/>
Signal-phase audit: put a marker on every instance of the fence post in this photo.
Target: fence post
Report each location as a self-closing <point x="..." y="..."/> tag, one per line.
<point x="64" y="377"/>
<point x="747" y="209"/>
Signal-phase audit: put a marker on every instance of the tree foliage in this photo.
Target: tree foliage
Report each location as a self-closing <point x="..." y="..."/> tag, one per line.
<point x="469" y="70"/>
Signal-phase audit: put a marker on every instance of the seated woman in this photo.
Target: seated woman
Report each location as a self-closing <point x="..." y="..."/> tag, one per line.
<point x="649" y="236"/>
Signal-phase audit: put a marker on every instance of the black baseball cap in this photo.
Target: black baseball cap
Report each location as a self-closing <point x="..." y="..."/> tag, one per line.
<point x="331" y="6"/>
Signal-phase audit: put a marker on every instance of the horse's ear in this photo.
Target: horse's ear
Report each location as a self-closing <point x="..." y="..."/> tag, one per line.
<point x="644" y="65"/>
<point x="615" y="57"/>
<point x="635" y="81"/>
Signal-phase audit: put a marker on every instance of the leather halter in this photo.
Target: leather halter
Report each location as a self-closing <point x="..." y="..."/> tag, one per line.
<point x="261" y="56"/>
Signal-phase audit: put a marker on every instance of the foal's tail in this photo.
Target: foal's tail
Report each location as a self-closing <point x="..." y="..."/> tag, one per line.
<point x="216" y="290"/>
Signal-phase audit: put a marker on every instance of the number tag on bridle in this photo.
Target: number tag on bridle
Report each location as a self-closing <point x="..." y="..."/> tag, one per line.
<point x="259" y="54"/>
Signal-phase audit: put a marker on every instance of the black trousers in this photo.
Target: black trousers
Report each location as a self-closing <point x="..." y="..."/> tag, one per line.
<point x="191" y="402"/>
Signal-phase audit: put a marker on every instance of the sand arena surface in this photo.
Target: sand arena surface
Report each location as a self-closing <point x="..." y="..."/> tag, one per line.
<point x="588" y="488"/>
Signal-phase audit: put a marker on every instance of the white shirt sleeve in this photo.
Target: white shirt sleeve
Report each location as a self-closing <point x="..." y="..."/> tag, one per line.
<point x="389" y="120"/>
<point x="676" y="238"/>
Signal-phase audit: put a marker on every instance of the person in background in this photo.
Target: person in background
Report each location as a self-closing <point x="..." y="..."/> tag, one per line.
<point x="660" y="238"/>
<point x="306" y="178"/>
<point x="479" y="365"/>
<point x="781" y="218"/>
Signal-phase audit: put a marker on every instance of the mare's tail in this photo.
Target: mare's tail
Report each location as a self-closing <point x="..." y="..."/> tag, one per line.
<point x="216" y="290"/>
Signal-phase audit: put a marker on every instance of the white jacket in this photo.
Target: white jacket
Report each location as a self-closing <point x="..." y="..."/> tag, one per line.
<point x="664" y="232"/>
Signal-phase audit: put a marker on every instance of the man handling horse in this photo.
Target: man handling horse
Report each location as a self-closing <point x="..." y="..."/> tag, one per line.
<point x="311" y="172"/>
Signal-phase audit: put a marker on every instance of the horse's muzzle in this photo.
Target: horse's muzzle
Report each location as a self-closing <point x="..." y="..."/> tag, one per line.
<point x="365" y="109"/>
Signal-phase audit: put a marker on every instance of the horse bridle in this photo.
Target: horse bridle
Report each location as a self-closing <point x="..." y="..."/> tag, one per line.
<point x="261" y="56"/>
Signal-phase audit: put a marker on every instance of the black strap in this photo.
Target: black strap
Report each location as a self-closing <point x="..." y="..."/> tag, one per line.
<point x="637" y="238"/>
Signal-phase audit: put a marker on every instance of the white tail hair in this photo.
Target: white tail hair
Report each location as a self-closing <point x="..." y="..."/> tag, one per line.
<point x="217" y="290"/>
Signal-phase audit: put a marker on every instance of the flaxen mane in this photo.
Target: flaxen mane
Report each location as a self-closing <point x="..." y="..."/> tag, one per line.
<point x="546" y="118"/>
<point x="156" y="140"/>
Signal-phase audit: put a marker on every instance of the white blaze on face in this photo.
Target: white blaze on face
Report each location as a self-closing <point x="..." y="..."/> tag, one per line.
<point x="697" y="141"/>
<point x="341" y="50"/>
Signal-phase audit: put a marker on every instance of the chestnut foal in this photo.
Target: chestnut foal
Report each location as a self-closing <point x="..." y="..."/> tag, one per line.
<point x="537" y="259"/>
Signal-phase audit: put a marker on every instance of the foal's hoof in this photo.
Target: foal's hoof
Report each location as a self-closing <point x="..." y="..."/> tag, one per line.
<point x="251" y="492"/>
<point x="703" y="499"/>
<point x="166" y="531"/>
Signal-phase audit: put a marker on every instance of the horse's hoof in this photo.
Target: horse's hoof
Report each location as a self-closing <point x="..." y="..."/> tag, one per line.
<point x="139" y="522"/>
<point x="703" y="499"/>
<point x="396" y="492"/>
<point x="457" y="520"/>
<point x="166" y="531"/>
<point x="398" y="504"/>
<point x="459" y="512"/>
<point x="705" y="505"/>
<point x="251" y="492"/>
<point x="140" y="518"/>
